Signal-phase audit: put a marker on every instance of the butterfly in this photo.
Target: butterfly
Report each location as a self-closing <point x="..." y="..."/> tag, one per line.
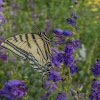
<point x="32" y="46"/>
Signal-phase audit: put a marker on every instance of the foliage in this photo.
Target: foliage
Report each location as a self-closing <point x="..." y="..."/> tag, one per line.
<point x="22" y="16"/>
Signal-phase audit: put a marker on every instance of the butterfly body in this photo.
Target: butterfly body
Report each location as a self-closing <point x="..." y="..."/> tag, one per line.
<point x="33" y="46"/>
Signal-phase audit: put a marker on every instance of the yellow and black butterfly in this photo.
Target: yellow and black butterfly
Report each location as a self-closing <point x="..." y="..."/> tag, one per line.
<point x="32" y="46"/>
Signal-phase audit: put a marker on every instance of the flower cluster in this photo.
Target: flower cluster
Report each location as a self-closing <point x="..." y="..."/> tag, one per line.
<point x="2" y="18"/>
<point x="96" y="68"/>
<point x="95" y="93"/>
<point x="54" y="76"/>
<point x="66" y="56"/>
<point x="14" y="7"/>
<point x="31" y="3"/>
<point x="71" y="20"/>
<point x="3" y="56"/>
<point x="59" y="56"/>
<point x="61" y="96"/>
<point x="13" y="89"/>
<point x="77" y="95"/>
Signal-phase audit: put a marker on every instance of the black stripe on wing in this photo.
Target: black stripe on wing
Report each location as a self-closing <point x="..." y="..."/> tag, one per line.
<point x="38" y="46"/>
<point x="21" y="51"/>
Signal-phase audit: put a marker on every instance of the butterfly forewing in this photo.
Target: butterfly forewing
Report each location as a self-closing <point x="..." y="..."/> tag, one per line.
<point x="33" y="47"/>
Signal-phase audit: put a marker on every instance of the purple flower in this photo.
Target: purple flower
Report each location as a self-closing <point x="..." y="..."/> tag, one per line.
<point x="72" y="14"/>
<point x="13" y="89"/>
<point x="57" y="58"/>
<point x="51" y="86"/>
<point x="73" y="23"/>
<point x="61" y="96"/>
<point x="59" y="40"/>
<point x="15" y="5"/>
<point x="77" y="43"/>
<point x="47" y="25"/>
<point x="67" y="32"/>
<point x="58" y="31"/>
<point x="68" y="59"/>
<point x="73" y="92"/>
<point x="76" y="17"/>
<point x="95" y="83"/>
<point x="3" y="56"/>
<point x="45" y="95"/>
<point x="1" y="1"/>
<point x="2" y="19"/>
<point x="1" y="39"/>
<point x="54" y="59"/>
<point x="73" y="68"/>
<point x="54" y="76"/>
<point x="31" y="3"/>
<point x="76" y="2"/>
<point x="69" y="20"/>
<point x="32" y="14"/>
<point x="70" y="7"/>
<point x="8" y="73"/>
<point x="14" y="67"/>
<point x="47" y="83"/>
<point x="93" y="94"/>
<point x="76" y="28"/>
<point x="70" y="47"/>
<point x="96" y="68"/>
<point x="13" y="58"/>
<point x="1" y="8"/>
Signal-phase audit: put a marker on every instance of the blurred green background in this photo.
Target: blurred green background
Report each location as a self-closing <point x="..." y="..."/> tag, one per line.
<point x="19" y="21"/>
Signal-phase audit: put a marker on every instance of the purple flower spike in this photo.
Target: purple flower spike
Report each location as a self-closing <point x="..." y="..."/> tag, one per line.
<point x="61" y="96"/>
<point x="13" y="89"/>
<point x="45" y="95"/>
<point x="72" y="14"/>
<point x="69" y="20"/>
<point x="47" y="25"/>
<point x="1" y="39"/>
<point x="3" y="56"/>
<point x="70" y="47"/>
<point x="1" y="8"/>
<point x="93" y="94"/>
<point x="31" y="1"/>
<point x="77" y="43"/>
<point x="73" y="22"/>
<point x="76" y="28"/>
<point x="96" y="68"/>
<point x="15" y="5"/>
<point x="54" y="76"/>
<point x="73" y="68"/>
<point x="14" y="67"/>
<point x="2" y="19"/>
<point x="67" y="32"/>
<point x="1" y="1"/>
<point x="32" y="14"/>
<point x="95" y="83"/>
<point x="51" y="87"/>
<point x="13" y="58"/>
<point x="58" y="31"/>
<point x="68" y="59"/>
